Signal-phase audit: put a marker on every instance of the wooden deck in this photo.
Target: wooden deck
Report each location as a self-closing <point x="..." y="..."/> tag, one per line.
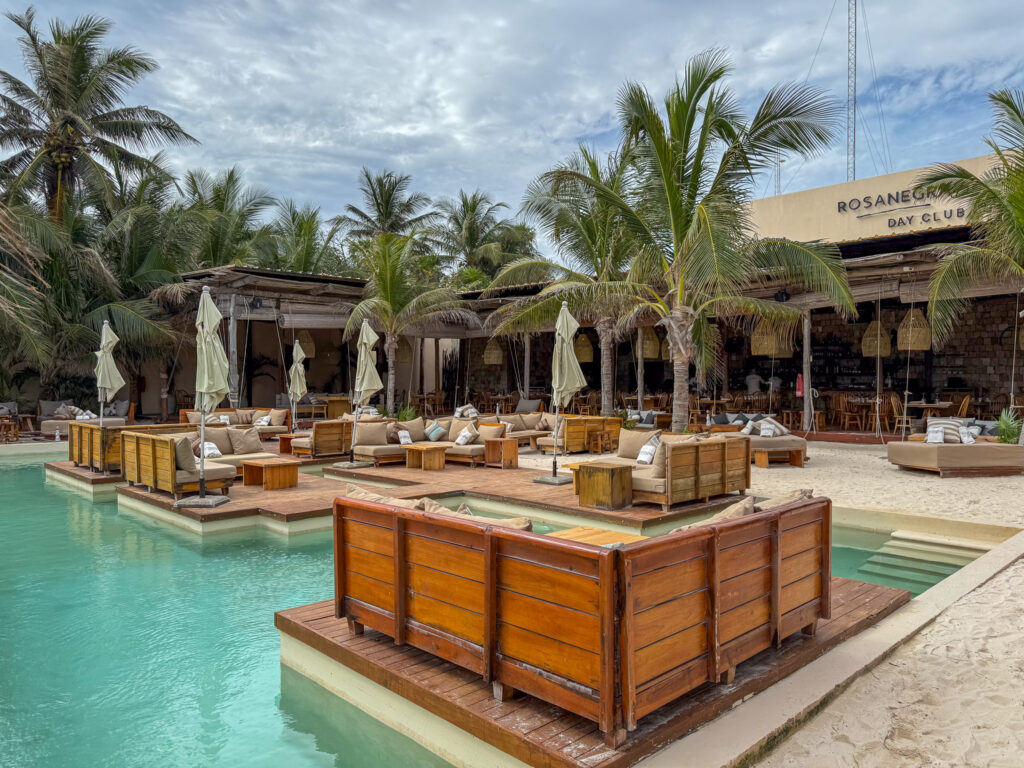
<point x="517" y="485"/>
<point x="83" y="474"/>
<point x="544" y="735"/>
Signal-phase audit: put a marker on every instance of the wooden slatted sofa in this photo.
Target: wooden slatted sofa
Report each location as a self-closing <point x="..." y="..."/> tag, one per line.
<point x="374" y="445"/>
<point x="328" y="438"/>
<point x="165" y="462"/>
<point x="610" y="634"/>
<point x="90" y="445"/>
<point x="577" y="431"/>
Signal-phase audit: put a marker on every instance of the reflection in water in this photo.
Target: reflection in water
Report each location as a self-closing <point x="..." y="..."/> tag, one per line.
<point x="338" y="728"/>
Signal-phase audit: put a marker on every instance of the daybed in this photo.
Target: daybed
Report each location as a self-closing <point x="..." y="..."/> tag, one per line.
<point x="166" y="462"/>
<point x="244" y="418"/>
<point x="981" y="459"/>
<point x="609" y="633"/>
<point x="116" y="414"/>
<point x="372" y="442"/>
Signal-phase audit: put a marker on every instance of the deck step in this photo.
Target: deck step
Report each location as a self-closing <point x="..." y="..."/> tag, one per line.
<point x="931" y="552"/>
<point x="899" y="562"/>
<point x="901" y="576"/>
<point x="976" y="546"/>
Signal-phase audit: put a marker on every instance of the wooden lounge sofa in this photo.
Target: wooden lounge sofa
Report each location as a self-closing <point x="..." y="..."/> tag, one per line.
<point x="577" y="432"/>
<point x="49" y="424"/>
<point x="89" y="445"/>
<point x="328" y="438"/>
<point x="608" y="633"/>
<point x="376" y="448"/>
<point x="283" y="415"/>
<point x="981" y="459"/>
<point x="165" y="462"/>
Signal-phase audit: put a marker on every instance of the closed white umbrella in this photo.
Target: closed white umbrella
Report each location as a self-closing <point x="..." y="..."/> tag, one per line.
<point x="566" y="379"/>
<point x="368" y="381"/>
<point x="296" y="378"/>
<point x="108" y="379"/>
<point x="211" y="379"/>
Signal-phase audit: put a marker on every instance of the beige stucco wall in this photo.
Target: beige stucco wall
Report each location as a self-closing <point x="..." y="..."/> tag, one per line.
<point x="879" y="206"/>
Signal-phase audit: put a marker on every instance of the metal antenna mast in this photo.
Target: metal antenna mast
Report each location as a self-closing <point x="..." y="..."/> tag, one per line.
<point x="851" y="90"/>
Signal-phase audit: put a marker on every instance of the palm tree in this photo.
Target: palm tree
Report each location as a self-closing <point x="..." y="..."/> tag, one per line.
<point x="695" y="167"/>
<point x="234" y="232"/>
<point x="594" y="248"/>
<point x="995" y="211"/>
<point x="394" y="299"/>
<point x="70" y="124"/>
<point x="470" y="230"/>
<point x="388" y="207"/>
<point x="304" y="243"/>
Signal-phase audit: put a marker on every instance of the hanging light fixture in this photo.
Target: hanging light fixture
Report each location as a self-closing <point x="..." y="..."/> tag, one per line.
<point x="404" y="354"/>
<point x="768" y="341"/>
<point x="651" y="345"/>
<point x="583" y="348"/>
<point x="666" y="353"/>
<point x="493" y="354"/>
<point x="914" y="333"/>
<point x="875" y="342"/>
<point x="306" y="340"/>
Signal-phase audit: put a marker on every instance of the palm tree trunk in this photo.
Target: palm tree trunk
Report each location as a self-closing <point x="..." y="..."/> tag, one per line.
<point x="605" y="333"/>
<point x="679" y="332"/>
<point x="391" y="351"/>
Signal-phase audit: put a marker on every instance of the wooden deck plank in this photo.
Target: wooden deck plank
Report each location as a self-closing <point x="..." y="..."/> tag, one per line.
<point x="543" y="735"/>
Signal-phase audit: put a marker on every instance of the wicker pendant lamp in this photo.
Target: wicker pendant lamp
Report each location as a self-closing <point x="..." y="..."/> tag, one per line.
<point x="493" y="354"/>
<point x="651" y="345"/>
<point x="770" y="342"/>
<point x="666" y="353"/>
<point x="583" y="348"/>
<point x="306" y="340"/>
<point x="404" y="354"/>
<point x="875" y="342"/>
<point x="914" y="333"/>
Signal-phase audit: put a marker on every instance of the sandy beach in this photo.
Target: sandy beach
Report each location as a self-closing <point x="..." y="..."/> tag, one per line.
<point x="952" y="695"/>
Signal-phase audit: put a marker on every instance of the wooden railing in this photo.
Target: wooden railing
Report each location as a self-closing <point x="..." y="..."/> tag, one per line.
<point x="90" y="445"/>
<point x="610" y="634"/>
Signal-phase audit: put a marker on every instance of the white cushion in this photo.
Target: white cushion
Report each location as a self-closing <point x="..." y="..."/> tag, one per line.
<point x="467" y="435"/>
<point x="646" y="453"/>
<point x="211" y="451"/>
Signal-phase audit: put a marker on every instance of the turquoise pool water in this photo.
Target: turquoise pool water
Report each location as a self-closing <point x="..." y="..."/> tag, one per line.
<point x="124" y="643"/>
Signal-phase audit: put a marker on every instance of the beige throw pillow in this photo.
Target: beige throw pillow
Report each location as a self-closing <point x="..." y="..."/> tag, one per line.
<point x="355" y="492"/>
<point x="277" y="417"/>
<point x="732" y="512"/>
<point x="632" y="440"/>
<point x="415" y="428"/>
<point x="245" y="415"/>
<point x="785" y="498"/>
<point x="193" y="417"/>
<point x="183" y="456"/>
<point x="245" y="441"/>
<point x="489" y="432"/>
<point x="457" y="426"/>
<point x="222" y="439"/>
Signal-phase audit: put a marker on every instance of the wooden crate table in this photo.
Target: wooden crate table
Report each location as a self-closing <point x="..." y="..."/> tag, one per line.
<point x="285" y="441"/>
<point x="600" y="536"/>
<point x="501" y="452"/>
<point x="425" y="457"/>
<point x="605" y="485"/>
<point x="272" y="474"/>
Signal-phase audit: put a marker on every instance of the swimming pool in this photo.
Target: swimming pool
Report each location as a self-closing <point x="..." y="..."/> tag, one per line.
<point x="129" y="643"/>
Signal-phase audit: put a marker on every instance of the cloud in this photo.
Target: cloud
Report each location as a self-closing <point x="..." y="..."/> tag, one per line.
<point x="488" y="94"/>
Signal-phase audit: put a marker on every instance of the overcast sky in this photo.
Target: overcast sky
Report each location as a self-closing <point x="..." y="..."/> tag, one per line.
<point x="488" y="94"/>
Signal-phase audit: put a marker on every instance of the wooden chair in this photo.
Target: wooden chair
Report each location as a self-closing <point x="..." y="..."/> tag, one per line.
<point x="319" y="410"/>
<point x="184" y="400"/>
<point x="961" y="411"/>
<point x="899" y="416"/>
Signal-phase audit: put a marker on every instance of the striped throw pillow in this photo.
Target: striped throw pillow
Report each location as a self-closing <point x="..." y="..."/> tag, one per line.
<point x="950" y="428"/>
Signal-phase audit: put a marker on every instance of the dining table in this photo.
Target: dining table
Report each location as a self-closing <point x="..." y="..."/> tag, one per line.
<point x="930" y="410"/>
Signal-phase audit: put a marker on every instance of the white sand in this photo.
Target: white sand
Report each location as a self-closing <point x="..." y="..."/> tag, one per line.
<point x="954" y="695"/>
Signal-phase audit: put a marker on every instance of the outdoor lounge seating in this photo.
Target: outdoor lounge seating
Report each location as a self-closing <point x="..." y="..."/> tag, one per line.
<point x="980" y="459"/>
<point x="165" y="462"/>
<point x="91" y="445"/>
<point x="789" y="448"/>
<point x="609" y="633"/>
<point x="372" y="444"/>
<point x="244" y="418"/>
<point x="328" y="438"/>
<point x="49" y="419"/>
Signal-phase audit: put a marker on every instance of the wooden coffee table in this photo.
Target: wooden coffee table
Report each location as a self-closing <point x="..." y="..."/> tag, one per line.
<point x="605" y="485"/>
<point x="501" y="452"/>
<point x="426" y="457"/>
<point x="272" y="474"/>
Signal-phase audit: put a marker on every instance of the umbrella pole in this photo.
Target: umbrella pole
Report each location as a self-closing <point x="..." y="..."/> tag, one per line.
<point x="101" y="411"/>
<point x="554" y="447"/>
<point x="202" y="448"/>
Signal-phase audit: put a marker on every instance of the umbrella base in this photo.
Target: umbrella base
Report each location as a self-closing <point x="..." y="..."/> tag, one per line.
<point x="552" y="480"/>
<point x="201" y="502"/>
<point x="352" y="464"/>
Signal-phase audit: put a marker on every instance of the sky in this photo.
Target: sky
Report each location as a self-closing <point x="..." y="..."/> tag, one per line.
<point x="489" y="94"/>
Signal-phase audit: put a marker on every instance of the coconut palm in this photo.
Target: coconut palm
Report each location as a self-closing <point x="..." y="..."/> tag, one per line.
<point x="388" y="207"/>
<point x="395" y="300"/>
<point x="304" y="242"/>
<point x="235" y="233"/>
<point x="69" y="124"/>
<point x="695" y="166"/>
<point x="469" y="231"/>
<point x="995" y="211"/>
<point x="594" y="249"/>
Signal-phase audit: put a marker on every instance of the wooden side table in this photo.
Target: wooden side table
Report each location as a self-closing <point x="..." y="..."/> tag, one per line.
<point x="501" y="452"/>
<point x="285" y="441"/>
<point x="272" y="474"/>
<point x="605" y="485"/>
<point x="429" y="458"/>
<point x="9" y="432"/>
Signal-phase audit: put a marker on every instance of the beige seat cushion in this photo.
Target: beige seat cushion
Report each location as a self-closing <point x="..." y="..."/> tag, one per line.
<point x="631" y="441"/>
<point x="355" y="492"/>
<point x="489" y="432"/>
<point x="245" y="440"/>
<point x="371" y="433"/>
<point x="211" y="471"/>
<point x="475" y="450"/>
<point x="549" y="442"/>
<point x="644" y="479"/>
<point x="50" y="426"/>
<point x="735" y="511"/>
<point x="796" y="494"/>
<point x="302" y="442"/>
<point x="268" y="430"/>
<point x="785" y="443"/>
<point x="463" y="513"/>
<point x="379" y="451"/>
<point x="414" y="428"/>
